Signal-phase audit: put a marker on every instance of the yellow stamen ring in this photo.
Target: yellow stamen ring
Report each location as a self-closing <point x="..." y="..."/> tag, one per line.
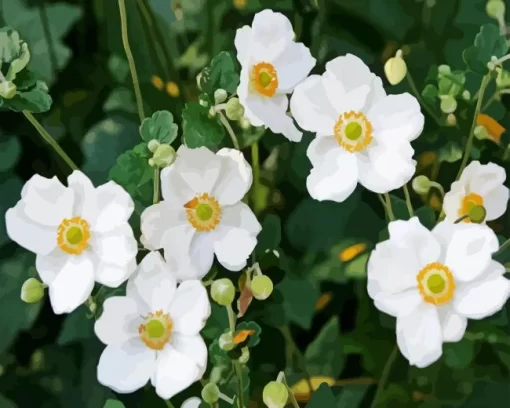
<point x="436" y="284"/>
<point x="73" y="235"/>
<point x="204" y="212"/>
<point x="264" y="79"/>
<point x="353" y="131"/>
<point x="156" y="330"/>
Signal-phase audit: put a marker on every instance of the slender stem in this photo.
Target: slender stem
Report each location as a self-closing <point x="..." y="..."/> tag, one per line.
<point x="169" y="404"/>
<point x="291" y="394"/>
<point x="231" y="318"/>
<point x="489" y="102"/>
<point x="131" y="60"/>
<point x="469" y="143"/>
<point x="389" y="209"/>
<point x="429" y="110"/>
<point x="460" y="219"/>
<point x="502" y="59"/>
<point x="408" y="201"/>
<point x="240" y="388"/>
<point x="255" y="164"/>
<point x="155" y="198"/>
<point x="503" y="246"/>
<point x="287" y="335"/>
<point x="226" y="398"/>
<point x="48" y="37"/>
<point x="384" y="376"/>
<point x="230" y="131"/>
<point x="438" y="187"/>
<point x="49" y="139"/>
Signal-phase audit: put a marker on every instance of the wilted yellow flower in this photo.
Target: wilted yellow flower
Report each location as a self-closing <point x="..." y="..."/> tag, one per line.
<point x="349" y="253"/>
<point x="240" y="4"/>
<point x="157" y="82"/>
<point x="301" y="389"/>
<point x="172" y="89"/>
<point x="323" y="301"/>
<point x="494" y="129"/>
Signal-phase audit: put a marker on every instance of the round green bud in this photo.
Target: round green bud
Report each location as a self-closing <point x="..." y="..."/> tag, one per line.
<point x="32" y="291"/>
<point x="212" y="112"/>
<point x="245" y="355"/>
<point x="220" y="96"/>
<point x="261" y="287"/>
<point x="151" y="163"/>
<point x="481" y="132"/>
<point x="466" y="95"/>
<point x="477" y="214"/>
<point x="223" y="291"/>
<point x="234" y="110"/>
<point x="7" y="90"/>
<point x="503" y="78"/>
<point x="395" y="69"/>
<point x="444" y="70"/>
<point x="164" y="155"/>
<point x="275" y="395"/>
<point x="226" y="341"/>
<point x="244" y="123"/>
<point x="421" y="184"/>
<point x="451" y="119"/>
<point x="495" y="9"/>
<point x="210" y="393"/>
<point x="153" y="145"/>
<point x="448" y="104"/>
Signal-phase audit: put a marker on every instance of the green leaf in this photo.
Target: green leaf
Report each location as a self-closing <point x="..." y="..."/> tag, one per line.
<point x="430" y="94"/>
<point x="300" y="297"/>
<point x="488" y="42"/>
<point x="221" y="73"/>
<point x="160" y="126"/>
<point x="351" y="396"/>
<point x="217" y="322"/>
<point x="118" y="67"/>
<point x="459" y="355"/>
<point x="254" y="338"/>
<point x="10" y="190"/>
<point x="270" y="236"/>
<point x="10" y="150"/>
<point x="199" y="129"/>
<point x="324" y="356"/>
<point x="217" y="356"/>
<point x="34" y="99"/>
<point x="120" y="100"/>
<point x="6" y="403"/>
<point x="322" y="398"/>
<point x="13" y="51"/>
<point x="427" y="216"/>
<point x="357" y="268"/>
<point x="451" y="152"/>
<point x="111" y="403"/>
<point x="77" y="326"/>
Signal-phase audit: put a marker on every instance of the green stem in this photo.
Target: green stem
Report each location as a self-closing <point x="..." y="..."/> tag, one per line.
<point x="155" y="198"/>
<point x="48" y="37"/>
<point x="408" y="201"/>
<point x="460" y="219"/>
<point x="412" y="84"/>
<point x="469" y="143"/>
<point x="239" y="374"/>
<point x="389" y="208"/>
<point x="287" y="335"/>
<point x="131" y="60"/>
<point x="230" y="131"/>
<point x="231" y="318"/>
<point x="489" y="102"/>
<point x="169" y="404"/>
<point x="291" y="394"/>
<point x="255" y="164"/>
<point x="384" y="376"/>
<point x="503" y="246"/>
<point x="502" y="59"/>
<point x="49" y="139"/>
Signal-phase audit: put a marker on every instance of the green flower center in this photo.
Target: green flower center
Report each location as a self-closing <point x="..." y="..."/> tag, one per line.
<point x="204" y="211"/>
<point x="353" y="131"/>
<point x="155" y="329"/>
<point x="74" y="235"/>
<point x="265" y="78"/>
<point x="436" y="284"/>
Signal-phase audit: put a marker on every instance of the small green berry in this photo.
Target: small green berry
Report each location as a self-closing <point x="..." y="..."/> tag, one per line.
<point x="261" y="287"/>
<point x="448" y="104"/>
<point x="153" y="145"/>
<point x="495" y="9"/>
<point x="210" y="393"/>
<point x="234" y="110"/>
<point x="275" y="395"/>
<point x="220" y="96"/>
<point x="223" y="291"/>
<point x="32" y="291"/>
<point x="395" y="69"/>
<point x="164" y="155"/>
<point x="481" y="132"/>
<point x="421" y="184"/>
<point x="477" y="214"/>
<point x="226" y="341"/>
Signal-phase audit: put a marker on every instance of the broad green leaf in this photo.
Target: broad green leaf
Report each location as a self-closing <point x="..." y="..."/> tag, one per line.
<point x="222" y="73"/>
<point x="324" y="356"/>
<point x="357" y="268"/>
<point x="34" y="99"/>
<point x="427" y="216"/>
<point x="217" y="322"/>
<point x="270" y="236"/>
<point x="300" y="297"/>
<point x="459" y="355"/>
<point x="488" y="42"/>
<point x="199" y="129"/>
<point x="217" y="356"/>
<point x="120" y="100"/>
<point x="10" y="190"/>
<point x="351" y="396"/>
<point x="10" y="150"/>
<point x="78" y="326"/>
<point x="118" y="67"/>
<point x="160" y="126"/>
<point x="322" y="398"/>
<point x="451" y="152"/>
<point x="6" y="403"/>
<point x="430" y="94"/>
<point x="111" y="403"/>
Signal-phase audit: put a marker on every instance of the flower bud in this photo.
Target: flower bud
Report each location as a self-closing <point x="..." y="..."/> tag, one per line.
<point x="226" y="341"/>
<point x="395" y="69"/>
<point x="210" y="393"/>
<point x="477" y="214"/>
<point x="164" y="155"/>
<point x="275" y="395"/>
<point x="244" y="123"/>
<point x="451" y="119"/>
<point x="481" y="132"/>
<point x="495" y="9"/>
<point x="7" y="90"/>
<point x="261" y="287"/>
<point x="223" y="291"/>
<point x="443" y="70"/>
<point x="421" y="185"/>
<point x="153" y="145"/>
<point x="245" y="355"/>
<point x="234" y="110"/>
<point x="503" y="78"/>
<point x="220" y="96"/>
<point x="32" y="291"/>
<point x="466" y="95"/>
<point x="448" y="104"/>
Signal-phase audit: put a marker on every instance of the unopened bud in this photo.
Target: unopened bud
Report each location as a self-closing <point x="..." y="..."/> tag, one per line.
<point x="234" y="110"/>
<point x="451" y="119"/>
<point x="395" y="69"/>
<point x="32" y="291"/>
<point x="477" y="214"/>
<point x="226" y="341"/>
<point x="220" y="96"/>
<point x="444" y="70"/>
<point x="495" y="9"/>
<point x="466" y="95"/>
<point x="245" y="355"/>
<point x="261" y="287"/>
<point x="163" y="156"/>
<point x="223" y="291"/>
<point x="481" y="132"/>
<point x="153" y="145"/>
<point x="275" y="395"/>
<point x="210" y="393"/>
<point x="7" y="90"/>
<point x="503" y="78"/>
<point x="421" y="184"/>
<point x="448" y="104"/>
<point x="244" y="123"/>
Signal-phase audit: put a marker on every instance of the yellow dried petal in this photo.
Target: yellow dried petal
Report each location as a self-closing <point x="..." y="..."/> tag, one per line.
<point x="302" y="391"/>
<point x="493" y="127"/>
<point x="157" y="82"/>
<point x="348" y="254"/>
<point x="323" y="301"/>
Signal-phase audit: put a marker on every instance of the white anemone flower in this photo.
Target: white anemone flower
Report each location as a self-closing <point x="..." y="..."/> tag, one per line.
<point x="272" y="64"/>
<point x="79" y="233"/>
<point x="479" y="184"/>
<point x="202" y="213"/>
<point x="434" y="281"/>
<point x="363" y="135"/>
<point x="153" y="333"/>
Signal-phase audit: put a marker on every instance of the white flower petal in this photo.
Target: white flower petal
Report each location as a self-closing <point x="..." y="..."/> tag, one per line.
<point x="126" y="368"/>
<point x="396" y="119"/>
<point x="292" y="66"/>
<point x="335" y="178"/>
<point x="113" y="275"/>
<point x="453" y="324"/>
<point x="114" y="207"/>
<point x="117" y="247"/>
<point x="242" y="43"/>
<point x="84" y="196"/>
<point x="485" y="178"/>
<point x="233" y="247"/>
<point x="240" y="216"/>
<point x="157" y="220"/>
<point x="193" y="347"/>
<point x="174" y="373"/>
<point x="414" y="237"/>
<point x="48" y="266"/>
<point x="119" y="321"/>
<point x="484" y="296"/>
<point x="311" y="107"/>
<point x="193" y="402"/>
<point x="190" y="308"/>
<point x="73" y="284"/>
<point x="195" y="171"/>
<point x="243" y="91"/>
<point x="47" y="201"/>
<point x="453" y="201"/>
<point x="36" y="238"/>
<point x="272" y="32"/>
<point x="495" y="202"/>
<point x="383" y="168"/>
<point x="319" y="147"/>
<point x="398" y="304"/>
<point x="235" y="178"/>
<point x="419" y="336"/>
<point x="470" y="250"/>
<point x="153" y="285"/>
